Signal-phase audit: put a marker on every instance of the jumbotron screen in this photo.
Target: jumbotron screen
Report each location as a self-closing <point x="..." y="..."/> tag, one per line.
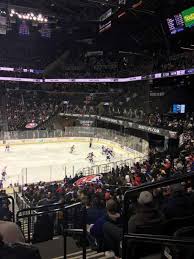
<point x="188" y="16"/>
<point x="181" y="21"/>
<point x="178" y="108"/>
<point x="176" y="24"/>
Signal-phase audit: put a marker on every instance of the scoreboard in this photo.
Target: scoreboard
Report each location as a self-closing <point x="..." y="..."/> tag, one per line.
<point x="176" y="24"/>
<point x="181" y="21"/>
<point x="188" y="16"/>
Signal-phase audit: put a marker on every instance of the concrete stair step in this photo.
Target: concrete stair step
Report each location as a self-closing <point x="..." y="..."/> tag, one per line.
<point x="90" y="255"/>
<point x="77" y="253"/>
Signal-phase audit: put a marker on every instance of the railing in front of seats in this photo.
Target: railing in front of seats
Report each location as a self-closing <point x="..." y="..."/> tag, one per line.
<point x="74" y="221"/>
<point x="12" y="206"/>
<point x="27" y="218"/>
<point x="107" y="167"/>
<point x="146" y="187"/>
<point x="21" y="202"/>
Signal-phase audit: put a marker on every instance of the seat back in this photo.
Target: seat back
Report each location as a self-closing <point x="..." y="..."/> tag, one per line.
<point x="181" y="252"/>
<point x="185" y="252"/>
<point x="171" y="226"/>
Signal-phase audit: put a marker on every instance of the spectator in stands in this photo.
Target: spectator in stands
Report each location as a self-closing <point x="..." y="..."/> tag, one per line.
<point x="5" y="213"/>
<point x="146" y="213"/>
<point x="10" y="232"/>
<point x="112" y="216"/>
<point x="95" y="209"/>
<point x="178" y="204"/>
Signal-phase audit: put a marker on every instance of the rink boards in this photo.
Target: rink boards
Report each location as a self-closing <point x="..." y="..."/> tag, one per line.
<point x="99" y="141"/>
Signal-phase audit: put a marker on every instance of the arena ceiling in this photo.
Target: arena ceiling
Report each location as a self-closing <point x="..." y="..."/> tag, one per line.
<point x="142" y="29"/>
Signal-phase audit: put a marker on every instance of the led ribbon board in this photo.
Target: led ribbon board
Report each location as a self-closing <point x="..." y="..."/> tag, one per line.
<point x="176" y="73"/>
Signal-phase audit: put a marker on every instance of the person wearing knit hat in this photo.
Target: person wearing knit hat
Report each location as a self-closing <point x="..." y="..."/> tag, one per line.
<point x="146" y="213"/>
<point x="145" y="198"/>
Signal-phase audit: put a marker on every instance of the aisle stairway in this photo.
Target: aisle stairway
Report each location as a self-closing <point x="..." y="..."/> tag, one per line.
<point x="54" y="249"/>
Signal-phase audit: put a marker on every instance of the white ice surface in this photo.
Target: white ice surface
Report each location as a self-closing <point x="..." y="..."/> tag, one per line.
<point x="49" y="162"/>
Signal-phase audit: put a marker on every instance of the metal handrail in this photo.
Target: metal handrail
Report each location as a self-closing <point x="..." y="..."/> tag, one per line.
<point x="82" y="231"/>
<point x="13" y="206"/>
<point x="114" y="164"/>
<point x="29" y="213"/>
<point x="38" y="208"/>
<point x="160" y="239"/>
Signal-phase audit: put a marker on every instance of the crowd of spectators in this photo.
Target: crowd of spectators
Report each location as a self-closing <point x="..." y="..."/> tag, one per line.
<point x="29" y="109"/>
<point x="174" y="62"/>
<point x="104" y="198"/>
<point x="159" y="165"/>
<point x="34" y="107"/>
<point x="170" y="121"/>
<point x="133" y="104"/>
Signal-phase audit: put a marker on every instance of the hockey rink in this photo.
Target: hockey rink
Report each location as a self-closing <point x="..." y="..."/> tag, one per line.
<point x="48" y="162"/>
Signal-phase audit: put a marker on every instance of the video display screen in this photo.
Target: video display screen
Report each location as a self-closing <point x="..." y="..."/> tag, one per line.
<point x="181" y="21"/>
<point x="178" y="108"/>
<point x="176" y="24"/>
<point x="188" y="17"/>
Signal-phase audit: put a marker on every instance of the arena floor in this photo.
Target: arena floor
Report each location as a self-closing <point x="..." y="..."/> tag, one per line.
<point x="48" y="162"/>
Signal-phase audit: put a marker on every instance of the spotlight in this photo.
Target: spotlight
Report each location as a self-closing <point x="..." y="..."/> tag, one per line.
<point x="12" y="11"/>
<point x="20" y="16"/>
<point x="34" y="18"/>
<point x="45" y="20"/>
<point x="32" y="14"/>
<point x="11" y="14"/>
